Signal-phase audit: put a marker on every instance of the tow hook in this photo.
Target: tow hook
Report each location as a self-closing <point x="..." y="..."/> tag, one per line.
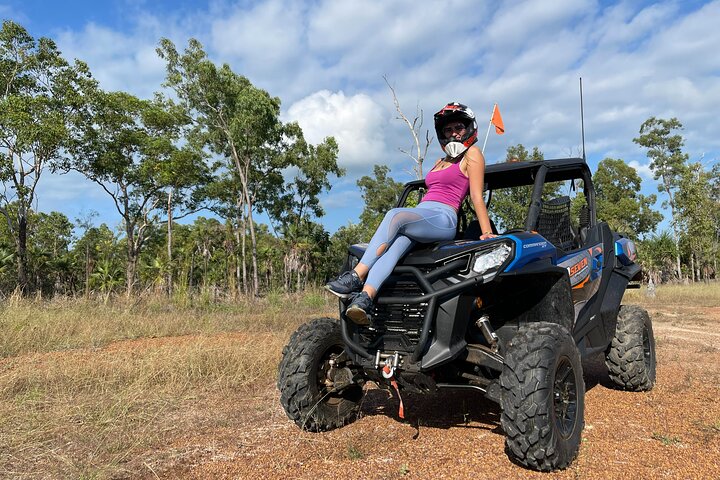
<point x="390" y="363"/>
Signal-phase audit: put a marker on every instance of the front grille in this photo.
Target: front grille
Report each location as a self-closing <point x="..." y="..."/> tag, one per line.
<point x="395" y="327"/>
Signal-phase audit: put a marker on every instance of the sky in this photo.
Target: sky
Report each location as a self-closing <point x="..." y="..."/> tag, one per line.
<point x="327" y="60"/>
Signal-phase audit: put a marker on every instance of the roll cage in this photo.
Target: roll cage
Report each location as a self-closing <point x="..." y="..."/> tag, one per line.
<point x="517" y="174"/>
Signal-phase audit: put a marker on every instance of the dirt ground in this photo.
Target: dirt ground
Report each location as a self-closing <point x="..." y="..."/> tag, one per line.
<point x="672" y="431"/>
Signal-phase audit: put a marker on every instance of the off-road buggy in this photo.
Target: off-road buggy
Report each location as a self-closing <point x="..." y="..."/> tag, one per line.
<point x="511" y="317"/>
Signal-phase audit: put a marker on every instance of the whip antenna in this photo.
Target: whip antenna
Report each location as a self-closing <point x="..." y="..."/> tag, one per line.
<point x="582" y="122"/>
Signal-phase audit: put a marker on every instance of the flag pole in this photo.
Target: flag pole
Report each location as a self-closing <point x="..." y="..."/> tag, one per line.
<point x="488" y="130"/>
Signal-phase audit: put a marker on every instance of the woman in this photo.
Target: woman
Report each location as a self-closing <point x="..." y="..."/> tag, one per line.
<point x="434" y="219"/>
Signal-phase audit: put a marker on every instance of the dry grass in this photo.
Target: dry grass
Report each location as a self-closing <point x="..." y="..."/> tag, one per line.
<point x="43" y="326"/>
<point x="86" y="388"/>
<point x="699" y="295"/>
<point x="76" y="401"/>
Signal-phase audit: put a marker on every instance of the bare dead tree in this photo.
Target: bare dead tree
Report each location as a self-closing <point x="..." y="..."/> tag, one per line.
<point x="415" y="126"/>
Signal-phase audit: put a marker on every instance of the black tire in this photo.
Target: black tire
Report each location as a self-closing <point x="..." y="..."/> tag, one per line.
<point x="543" y="397"/>
<point x="307" y="399"/>
<point x="630" y="357"/>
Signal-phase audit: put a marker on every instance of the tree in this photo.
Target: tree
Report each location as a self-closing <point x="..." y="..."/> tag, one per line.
<point x="84" y="222"/>
<point x="655" y="254"/>
<point x="231" y="116"/>
<point x="49" y="264"/>
<point x="697" y="218"/>
<point x="667" y="161"/>
<point x="509" y="207"/>
<point x="40" y="95"/>
<point x="618" y="201"/>
<point x="715" y="211"/>
<point x="207" y="237"/>
<point x="337" y="252"/>
<point x="129" y="149"/>
<point x="300" y="201"/>
<point x="417" y="153"/>
<point x="380" y="194"/>
<point x="299" y="204"/>
<point x="49" y="241"/>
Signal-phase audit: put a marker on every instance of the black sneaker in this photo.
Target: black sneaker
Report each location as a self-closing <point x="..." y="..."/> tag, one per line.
<point x="361" y="306"/>
<point x="347" y="283"/>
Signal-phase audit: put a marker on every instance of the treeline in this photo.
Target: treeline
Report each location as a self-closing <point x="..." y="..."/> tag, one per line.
<point x="213" y="144"/>
<point x="217" y="145"/>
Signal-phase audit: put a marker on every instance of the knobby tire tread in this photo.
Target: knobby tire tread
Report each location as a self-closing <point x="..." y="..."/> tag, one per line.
<point x="625" y="357"/>
<point x="527" y="404"/>
<point x="297" y="377"/>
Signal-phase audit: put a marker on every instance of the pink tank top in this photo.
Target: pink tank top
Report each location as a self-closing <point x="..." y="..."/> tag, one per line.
<point x="448" y="186"/>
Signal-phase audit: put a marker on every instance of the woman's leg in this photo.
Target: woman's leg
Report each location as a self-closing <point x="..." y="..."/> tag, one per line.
<point x="384" y="267"/>
<point x="420" y="223"/>
<point x="396" y="235"/>
<point x="348" y="282"/>
<point x="380" y="241"/>
<point x="407" y="226"/>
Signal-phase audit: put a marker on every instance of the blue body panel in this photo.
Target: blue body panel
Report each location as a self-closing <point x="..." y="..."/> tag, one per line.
<point x="530" y="247"/>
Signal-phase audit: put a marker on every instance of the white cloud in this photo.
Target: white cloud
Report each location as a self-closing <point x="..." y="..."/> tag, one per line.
<point x="267" y="37"/>
<point x="326" y="58"/>
<point x="355" y="121"/>
<point x="119" y="61"/>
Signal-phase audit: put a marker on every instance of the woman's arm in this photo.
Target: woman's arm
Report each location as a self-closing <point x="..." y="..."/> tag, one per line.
<point x="475" y="165"/>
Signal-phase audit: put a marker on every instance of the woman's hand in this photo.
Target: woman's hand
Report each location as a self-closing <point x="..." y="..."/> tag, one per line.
<point x="487" y="236"/>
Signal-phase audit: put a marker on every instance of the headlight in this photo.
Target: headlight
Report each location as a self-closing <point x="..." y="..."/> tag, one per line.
<point x="491" y="259"/>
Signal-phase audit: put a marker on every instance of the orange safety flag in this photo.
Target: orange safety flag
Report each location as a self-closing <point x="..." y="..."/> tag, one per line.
<point x="497" y="121"/>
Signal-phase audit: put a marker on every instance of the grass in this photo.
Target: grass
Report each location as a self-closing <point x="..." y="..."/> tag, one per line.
<point x="698" y="294"/>
<point x="79" y="398"/>
<point x="666" y="440"/>
<point x="87" y="389"/>
<point x="354" y="453"/>
<point x="62" y="324"/>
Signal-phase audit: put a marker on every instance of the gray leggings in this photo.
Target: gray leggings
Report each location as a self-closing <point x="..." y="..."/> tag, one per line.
<point x="400" y="230"/>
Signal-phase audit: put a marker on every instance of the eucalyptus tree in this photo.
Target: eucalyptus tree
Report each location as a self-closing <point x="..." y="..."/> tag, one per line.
<point x="129" y="148"/>
<point x="233" y="117"/>
<point x="418" y="150"/>
<point x="41" y="94"/>
<point x="225" y="199"/>
<point x="619" y="201"/>
<point x="697" y="207"/>
<point x="295" y="203"/>
<point x="668" y="163"/>
<point x="310" y="166"/>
